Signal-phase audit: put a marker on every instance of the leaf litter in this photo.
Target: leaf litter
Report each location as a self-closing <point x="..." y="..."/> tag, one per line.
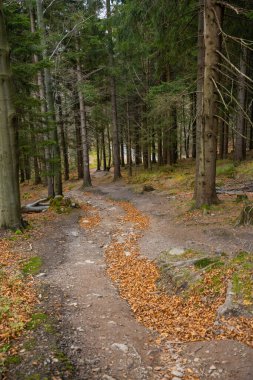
<point x="176" y="317"/>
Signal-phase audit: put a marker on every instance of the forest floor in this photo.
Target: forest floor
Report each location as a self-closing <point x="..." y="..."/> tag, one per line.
<point x="100" y="313"/>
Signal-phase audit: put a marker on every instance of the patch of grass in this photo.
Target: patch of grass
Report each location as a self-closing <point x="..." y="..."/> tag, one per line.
<point x="32" y="266"/>
<point x="37" y="320"/>
<point x="204" y="262"/>
<point x="226" y="170"/>
<point x="35" y="376"/>
<point x="68" y="366"/>
<point x="30" y="344"/>
<point x="14" y="359"/>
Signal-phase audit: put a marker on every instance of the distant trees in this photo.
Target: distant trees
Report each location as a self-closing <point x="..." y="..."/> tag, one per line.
<point x="130" y="83"/>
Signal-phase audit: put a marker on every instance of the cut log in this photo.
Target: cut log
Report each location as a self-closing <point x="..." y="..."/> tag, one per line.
<point x="38" y="206"/>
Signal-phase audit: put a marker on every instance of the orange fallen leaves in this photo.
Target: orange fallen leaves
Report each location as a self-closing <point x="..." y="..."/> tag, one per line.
<point x="91" y="218"/>
<point x="17" y="294"/>
<point x="184" y="319"/>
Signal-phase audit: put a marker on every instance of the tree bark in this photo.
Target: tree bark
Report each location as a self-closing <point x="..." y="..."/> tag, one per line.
<point x="115" y="132"/>
<point x="206" y="168"/>
<point x="10" y="215"/>
<point x="83" y="122"/>
<point x="64" y="145"/>
<point x="240" y="137"/>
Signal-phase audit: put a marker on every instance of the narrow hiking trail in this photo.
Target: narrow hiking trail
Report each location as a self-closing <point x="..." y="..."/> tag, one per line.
<point x="83" y="278"/>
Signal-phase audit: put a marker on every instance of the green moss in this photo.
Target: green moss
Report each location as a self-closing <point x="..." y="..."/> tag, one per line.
<point x="32" y="266"/>
<point x="202" y="263"/>
<point x="36" y="320"/>
<point x="61" y="205"/>
<point x="68" y="366"/>
<point x="227" y="170"/>
<point x="14" y="359"/>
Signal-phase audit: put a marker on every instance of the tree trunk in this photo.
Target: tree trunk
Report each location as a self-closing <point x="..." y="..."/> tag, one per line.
<point x="9" y="188"/>
<point x="98" y="153"/>
<point x="240" y="137"/>
<point x="207" y="151"/>
<point x="79" y="151"/>
<point x="55" y="169"/>
<point x="193" y="120"/>
<point x="83" y="121"/>
<point x="103" y="149"/>
<point x="129" y="148"/>
<point x="115" y="133"/>
<point x="64" y="145"/>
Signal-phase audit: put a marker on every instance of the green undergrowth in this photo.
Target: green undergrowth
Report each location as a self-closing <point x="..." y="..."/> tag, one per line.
<point x="61" y="205"/>
<point x="32" y="266"/>
<point x="185" y="274"/>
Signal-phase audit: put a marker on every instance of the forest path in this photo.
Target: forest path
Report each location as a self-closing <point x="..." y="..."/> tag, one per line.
<point x="105" y="340"/>
<point x="97" y="329"/>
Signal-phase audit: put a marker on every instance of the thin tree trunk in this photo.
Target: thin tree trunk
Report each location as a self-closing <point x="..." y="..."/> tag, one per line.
<point x="103" y="149"/>
<point x="129" y="148"/>
<point x="109" y="149"/>
<point x="9" y="187"/>
<point x="83" y="121"/>
<point x="98" y="153"/>
<point x="206" y="168"/>
<point x="115" y="133"/>
<point x="240" y="137"/>
<point x="79" y="151"/>
<point x="193" y="120"/>
<point x="64" y="145"/>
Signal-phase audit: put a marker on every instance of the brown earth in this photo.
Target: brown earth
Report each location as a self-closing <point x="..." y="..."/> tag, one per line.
<point x="93" y="328"/>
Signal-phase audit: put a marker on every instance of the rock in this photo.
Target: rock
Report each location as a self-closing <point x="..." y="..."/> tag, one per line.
<point x="212" y="368"/>
<point x="89" y="262"/>
<point x="148" y="188"/>
<point x="74" y="233"/>
<point x="120" y="346"/>
<point x="177" y="251"/>
<point x="41" y="275"/>
<point x="177" y="373"/>
<point x="127" y="253"/>
<point x="107" y="377"/>
<point x="176" y="378"/>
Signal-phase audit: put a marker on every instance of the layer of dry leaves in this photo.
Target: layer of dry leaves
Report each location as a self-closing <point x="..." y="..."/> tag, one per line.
<point x="91" y="217"/>
<point x="17" y="294"/>
<point x="179" y="319"/>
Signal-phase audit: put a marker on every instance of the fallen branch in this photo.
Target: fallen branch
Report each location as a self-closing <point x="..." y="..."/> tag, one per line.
<point x="38" y="206"/>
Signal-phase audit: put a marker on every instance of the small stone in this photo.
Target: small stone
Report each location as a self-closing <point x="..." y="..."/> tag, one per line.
<point x="41" y="275"/>
<point x="80" y="329"/>
<point x="74" y="233"/>
<point x="120" y="346"/>
<point x="127" y="253"/>
<point x="89" y="262"/>
<point x="177" y="373"/>
<point x="107" y="377"/>
<point x="55" y="360"/>
<point x="176" y="378"/>
<point x="177" y="251"/>
<point x="196" y="360"/>
<point x="212" y="368"/>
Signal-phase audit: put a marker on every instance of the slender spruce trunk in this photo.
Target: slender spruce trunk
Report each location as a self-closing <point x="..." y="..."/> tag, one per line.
<point x="207" y="150"/>
<point x="64" y="145"/>
<point x="115" y="129"/>
<point x="83" y="122"/>
<point x="240" y="137"/>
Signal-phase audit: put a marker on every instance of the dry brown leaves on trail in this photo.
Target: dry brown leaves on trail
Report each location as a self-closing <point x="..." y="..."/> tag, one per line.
<point x="17" y="295"/>
<point x="91" y="218"/>
<point x="181" y="319"/>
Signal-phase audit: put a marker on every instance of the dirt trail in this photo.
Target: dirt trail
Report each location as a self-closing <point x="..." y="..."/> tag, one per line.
<point x="96" y="328"/>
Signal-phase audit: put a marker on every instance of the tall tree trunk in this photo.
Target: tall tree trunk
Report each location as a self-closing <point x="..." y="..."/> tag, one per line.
<point x="206" y="168"/>
<point x="103" y="149"/>
<point x="173" y="152"/>
<point x="79" y="151"/>
<point x="64" y="145"/>
<point x="193" y="121"/>
<point x="109" y="149"/>
<point x="129" y="148"/>
<point x="159" y="147"/>
<point x="98" y="153"/>
<point x="251" y="128"/>
<point x="240" y="137"/>
<point x="115" y="132"/>
<point x="9" y="188"/>
<point x="56" y="159"/>
<point x="83" y="121"/>
<point x="42" y="96"/>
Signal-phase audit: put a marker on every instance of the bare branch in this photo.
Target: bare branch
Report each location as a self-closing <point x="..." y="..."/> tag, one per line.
<point x="233" y="66"/>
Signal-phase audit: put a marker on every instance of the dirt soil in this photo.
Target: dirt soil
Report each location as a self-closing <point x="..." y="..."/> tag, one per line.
<point x="91" y="332"/>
